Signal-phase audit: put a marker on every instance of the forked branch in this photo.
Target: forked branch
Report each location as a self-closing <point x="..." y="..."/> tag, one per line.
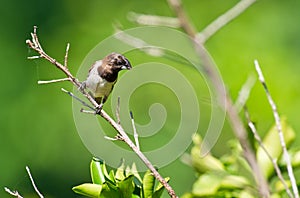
<point x="36" y="46"/>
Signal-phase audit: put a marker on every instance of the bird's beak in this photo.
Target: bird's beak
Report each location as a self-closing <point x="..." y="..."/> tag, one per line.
<point x="126" y="67"/>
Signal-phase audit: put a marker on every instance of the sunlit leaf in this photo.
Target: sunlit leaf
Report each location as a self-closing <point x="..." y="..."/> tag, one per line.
<point x="96" y="172"/>
<point x="126" y="186"/>
<point x="148" y="184"/>
<point x="207" y="185"/>
<point x="203" y="163"/>
<point x="89" y="190"/>
<point x="159" y="189"/>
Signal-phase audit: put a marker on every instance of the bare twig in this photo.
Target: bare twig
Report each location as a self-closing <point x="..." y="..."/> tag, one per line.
<point x="33" y="184"/>
<point x="144" y="19"/>
<point x="279" y="129"/>
<point x="13" y="193"/>
<point x="138" y="43"/>
<point x="135" y="134"/>
<point x="222" y="20"/>
<point x="66" y="55"/>
<point x="236" y="123"/>
<point x="53" y="81"/>
<point x="35" y="45"/>
<point x="111" y="138"/>
<point x="87" y="111"/>
<point x="274" y="161"/>
<point x="244" y="93"/>
<point x="33" y="57"/>
<point x="78" y="99"/>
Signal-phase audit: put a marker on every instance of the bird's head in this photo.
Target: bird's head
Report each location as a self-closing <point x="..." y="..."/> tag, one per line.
<point x="117" y="62"/>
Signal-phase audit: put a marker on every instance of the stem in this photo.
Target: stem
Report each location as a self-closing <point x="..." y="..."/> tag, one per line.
<point x="35" y="45"/>
<point x="279" y="129"/>
<point x="234" y="119"/>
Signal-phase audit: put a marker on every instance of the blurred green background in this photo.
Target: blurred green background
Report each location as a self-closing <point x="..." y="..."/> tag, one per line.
<point x="37" y="127"/>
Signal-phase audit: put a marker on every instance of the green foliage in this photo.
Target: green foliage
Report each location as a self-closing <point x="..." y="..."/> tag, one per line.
<point x="124" y="183"/>
<point x="230" y="175"/>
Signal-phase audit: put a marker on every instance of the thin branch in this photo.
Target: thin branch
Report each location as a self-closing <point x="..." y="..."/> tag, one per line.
<point x="13" y="193"/>
<point x="145" y="19"/>
<point x="66" y="55"/>
<point x="33" y="57"/>
<point x="78" y="99"/>
<point x="135" y="134"/>
<point x="224" y="19"/>
<point x="274" y="161"/>
<point x="87" y="111"/>
<point x="111" y="138"/>
<point x="182" y="17"/>
<point x="279" y="129"/>
<point x="35" y="45"/>
<point x="40" y="82"/>
<point x="244" y="93"/>
<point x="138" y="43"/>
<point x="33" y="184"/>
<point x="236" y="123"/>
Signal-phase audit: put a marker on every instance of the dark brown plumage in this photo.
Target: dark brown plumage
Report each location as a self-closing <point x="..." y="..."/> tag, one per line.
<point x="103" y="75"/>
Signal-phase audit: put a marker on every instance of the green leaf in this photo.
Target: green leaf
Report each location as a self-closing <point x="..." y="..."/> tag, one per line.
<point x="96" y="171"/>
<point x="109" y="190"/>
<point x="104" y="170"/>
<point x="207" y="185"/>
<point x="148" y="184"/>
<point x="204" y="163"/>
<point x="133" y="171"/>
<point x="120" y="172"/>
<point x="126" y="186"/>
<point x="159" y="189"/>
<point x="89" y="190"/>
<point x="112" y="176"/>
<point x="234" y="181"/>
<point x="273" y="146"/>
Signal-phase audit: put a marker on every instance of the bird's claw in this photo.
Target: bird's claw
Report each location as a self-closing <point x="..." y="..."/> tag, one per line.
<point x="82" y="86"/>
<point x="98" y="109"/>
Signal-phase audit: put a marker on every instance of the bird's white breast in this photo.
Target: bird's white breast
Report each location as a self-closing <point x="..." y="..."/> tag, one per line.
<point x="97" y="85"/>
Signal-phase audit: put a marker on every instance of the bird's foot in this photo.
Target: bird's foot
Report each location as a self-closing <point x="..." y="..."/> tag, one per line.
<point x="82" y="86"/>
<point x="98" y="109"/>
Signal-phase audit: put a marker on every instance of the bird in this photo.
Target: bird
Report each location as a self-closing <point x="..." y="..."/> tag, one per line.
<point x="103" y="75"/>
